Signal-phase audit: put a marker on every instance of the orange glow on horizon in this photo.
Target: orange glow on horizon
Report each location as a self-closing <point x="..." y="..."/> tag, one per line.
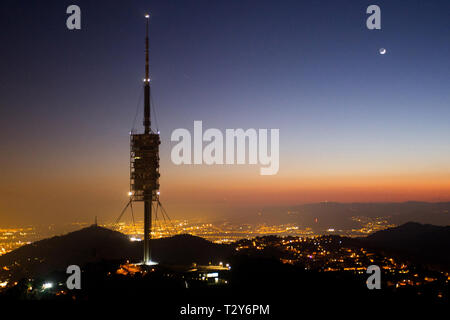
<point x="284" y="190"/>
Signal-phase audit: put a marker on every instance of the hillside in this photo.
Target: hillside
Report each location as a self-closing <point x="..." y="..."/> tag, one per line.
<point x="421" y="243"/>
<point x="94" y="244"/>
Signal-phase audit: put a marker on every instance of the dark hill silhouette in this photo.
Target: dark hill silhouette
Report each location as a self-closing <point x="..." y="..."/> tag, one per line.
<point x="95" y="244"/>
<point x="423" y="243"/>
<point x="186" y="248"/>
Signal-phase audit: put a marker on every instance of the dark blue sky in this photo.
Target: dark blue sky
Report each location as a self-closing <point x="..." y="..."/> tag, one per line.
<point x="309" y="68"/>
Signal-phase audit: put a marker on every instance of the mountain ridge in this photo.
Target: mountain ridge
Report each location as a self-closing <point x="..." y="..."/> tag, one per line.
<point x="422" y="243"/>
<point x="95" y="244"/>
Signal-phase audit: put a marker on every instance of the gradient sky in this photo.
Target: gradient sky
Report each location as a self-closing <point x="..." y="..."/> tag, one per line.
<point x="354" y="125"/>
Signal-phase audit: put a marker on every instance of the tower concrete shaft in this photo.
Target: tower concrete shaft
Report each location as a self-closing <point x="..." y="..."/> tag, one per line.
<point x="148" y="198"/>
<point x="147" y="230"/>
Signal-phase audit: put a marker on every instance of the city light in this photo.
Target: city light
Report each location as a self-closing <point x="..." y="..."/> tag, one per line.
<point x="212" y="275"/>
<point x="47" y="285"/>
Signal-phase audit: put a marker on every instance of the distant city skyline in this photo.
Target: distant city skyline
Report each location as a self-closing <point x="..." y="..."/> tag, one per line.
<point x="355" y="126"/>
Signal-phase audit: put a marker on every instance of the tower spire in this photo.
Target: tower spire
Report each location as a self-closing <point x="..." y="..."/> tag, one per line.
<point x="147" y="123"/>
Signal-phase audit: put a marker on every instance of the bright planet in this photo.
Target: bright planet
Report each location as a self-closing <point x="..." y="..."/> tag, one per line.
<point x="382" y="51"/>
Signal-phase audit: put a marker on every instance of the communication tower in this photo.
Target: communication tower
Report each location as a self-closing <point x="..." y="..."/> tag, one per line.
<point x="144" y="161"/>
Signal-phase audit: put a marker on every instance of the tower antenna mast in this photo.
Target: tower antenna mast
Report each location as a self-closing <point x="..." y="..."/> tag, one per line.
<point x="147" y="123"/>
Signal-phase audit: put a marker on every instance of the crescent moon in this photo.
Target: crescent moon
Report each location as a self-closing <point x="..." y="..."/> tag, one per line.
<point x="382" y="51"/>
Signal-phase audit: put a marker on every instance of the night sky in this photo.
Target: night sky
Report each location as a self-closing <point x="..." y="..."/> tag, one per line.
<point x="354" y="125"/>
